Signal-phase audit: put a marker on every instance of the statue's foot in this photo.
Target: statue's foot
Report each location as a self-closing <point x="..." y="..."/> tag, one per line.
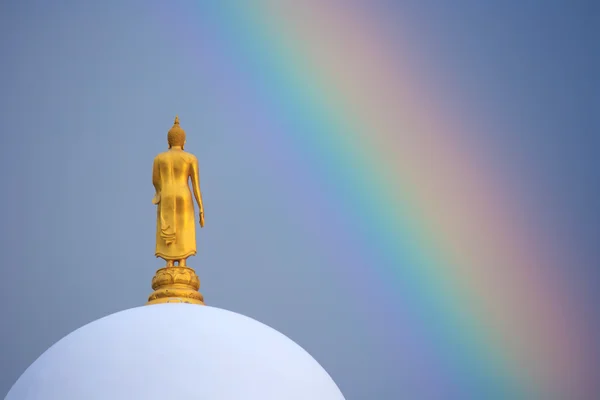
<point x="170" y="264"/>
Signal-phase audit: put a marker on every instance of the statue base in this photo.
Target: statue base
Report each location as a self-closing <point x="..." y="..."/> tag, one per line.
<point x="176" y="285"/>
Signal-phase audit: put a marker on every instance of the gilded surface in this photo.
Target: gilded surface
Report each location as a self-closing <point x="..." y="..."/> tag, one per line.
<point x="175" y="285"/>
<point x="175" y="221"/>
<point x="175" y="276"/>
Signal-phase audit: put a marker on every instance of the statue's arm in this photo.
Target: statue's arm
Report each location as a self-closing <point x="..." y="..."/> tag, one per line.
<point x="195" y="176"/>
<point x="156" y="176"/>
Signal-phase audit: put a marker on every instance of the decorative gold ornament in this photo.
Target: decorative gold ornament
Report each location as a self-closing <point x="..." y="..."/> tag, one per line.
<point x="176" y="285"/>
<point x="175" y="221"/>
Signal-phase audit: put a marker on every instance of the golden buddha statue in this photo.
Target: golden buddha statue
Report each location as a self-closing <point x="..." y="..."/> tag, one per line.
<point x="175" y="221"/>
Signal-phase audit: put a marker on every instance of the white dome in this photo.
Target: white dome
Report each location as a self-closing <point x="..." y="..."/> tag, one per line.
<point x="177" y="351"/>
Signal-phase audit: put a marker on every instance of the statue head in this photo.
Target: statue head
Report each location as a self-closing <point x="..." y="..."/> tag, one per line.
<point x="176" y="136"/>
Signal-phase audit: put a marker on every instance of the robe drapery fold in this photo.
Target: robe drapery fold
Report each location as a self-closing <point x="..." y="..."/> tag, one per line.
<point x="175" y="219"/>
<point x="167" y="209"/>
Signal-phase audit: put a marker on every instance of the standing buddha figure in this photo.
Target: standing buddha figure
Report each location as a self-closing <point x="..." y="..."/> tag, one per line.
<point x="175" y="217"/>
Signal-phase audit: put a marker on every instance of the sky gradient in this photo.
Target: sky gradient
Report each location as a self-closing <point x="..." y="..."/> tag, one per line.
<point x="409" y="190"/>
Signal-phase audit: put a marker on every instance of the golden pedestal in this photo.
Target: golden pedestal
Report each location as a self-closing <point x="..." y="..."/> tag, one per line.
<point x="176" y="285"/>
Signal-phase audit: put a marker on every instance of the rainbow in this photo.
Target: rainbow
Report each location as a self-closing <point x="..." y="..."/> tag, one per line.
<point x="447" y="235"/>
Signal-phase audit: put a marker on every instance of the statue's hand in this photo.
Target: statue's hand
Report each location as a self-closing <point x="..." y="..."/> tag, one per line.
<point x="201" y="218"/>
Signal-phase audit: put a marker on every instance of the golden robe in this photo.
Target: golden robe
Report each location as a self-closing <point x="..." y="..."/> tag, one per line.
<point x="175" y="219"/>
